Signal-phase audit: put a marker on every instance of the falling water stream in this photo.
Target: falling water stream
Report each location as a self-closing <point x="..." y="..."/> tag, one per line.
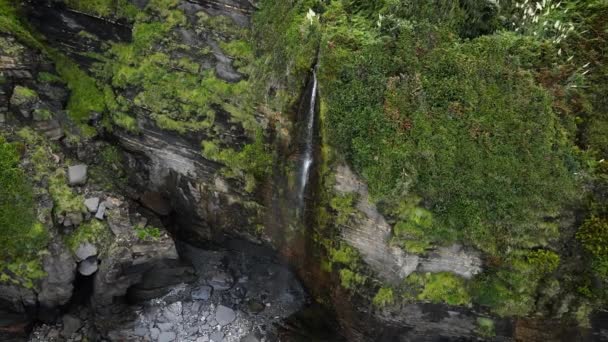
<point x="307" y="158"/>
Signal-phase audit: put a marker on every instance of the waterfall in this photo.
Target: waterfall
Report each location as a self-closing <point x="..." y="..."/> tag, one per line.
<point x="307" y="157"/>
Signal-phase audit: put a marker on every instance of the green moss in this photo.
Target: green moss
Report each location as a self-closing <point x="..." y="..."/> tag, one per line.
<point x="46" y="77"/>
<point x="66" y="201"/>
<point x="593" y="234"/>
<point x="148" y="233"/>
<point x="351" y="280"/>
<point x="105" y="8"/>
<point x="485" y="327"/>
<point x="125" y="121"/>
<point x="23" y="272"/>
<point x="383" y="297"/>
<point x="414" y="231"/>
<point x="441" y="287"/>
<point x="85" y="96"/>
<point x="23" y="95"/>
<point x="345" y="255"/>
<point x="253" y="163"/>
<point x="42" y="114"/>
<point x="22" y="237"/>
<point x="511" y="289"/>
<point x="10" y="22"/>
<point x="344" y="207"/>
<point x="94" y="232"/>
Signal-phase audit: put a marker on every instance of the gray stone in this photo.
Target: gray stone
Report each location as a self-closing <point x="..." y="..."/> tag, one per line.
<point x="250" y="338"/>
<point x="202" y="292"/>
<point x="167" y="337"/>
<point x="85" y="251"/>
<point x="140" y="331"/>
<point x="370" y="234"/>
<point x="154" y="333"/>
<point x="224" y="315"/>
<point x="71" y="325"/>
<point x="2" y="118"/>
<point x="173" y="312"/>
<point x="72" y="219"/>
<point x="101" y="211"/>
<point x="88" y="266"/>
<point x="165" y="326"/>
<point x="202" y="339"/>
<point x="221" y="281"/>
<point x="217" y="336"/>
<point x="455" y="259"/>
<point x="50" y="128"/>
<point x="92" y="204"/>
<point x="77" y="174"/>
<point x="56" y="287"/>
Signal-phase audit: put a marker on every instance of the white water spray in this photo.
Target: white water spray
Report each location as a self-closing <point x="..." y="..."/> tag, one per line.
<point x="307" y="156"/>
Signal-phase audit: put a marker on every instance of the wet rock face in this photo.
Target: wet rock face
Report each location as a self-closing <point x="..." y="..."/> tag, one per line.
<point x="370" y="235"/>
<point x="63" y="28"/>
<point x="165" y="162"/>
<point x="23" y="98"/>
<point x="197" y="313"/>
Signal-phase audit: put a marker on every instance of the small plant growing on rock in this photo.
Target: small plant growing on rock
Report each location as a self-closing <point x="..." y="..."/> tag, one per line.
<point x="384" y="297"/>
<point x="485" y="327"/>
<point x="147" y="233"/>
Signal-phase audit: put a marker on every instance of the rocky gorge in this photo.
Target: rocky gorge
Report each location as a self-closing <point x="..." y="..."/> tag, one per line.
<point x="186" y="186"/>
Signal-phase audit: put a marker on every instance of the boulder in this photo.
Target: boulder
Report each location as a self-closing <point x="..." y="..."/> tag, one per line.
<point x="167" y="337"/>
<point x="71" y="325"/>
<point x="221" y="281"/>
<point x="23" y="101"/>
<point x="92" y="204"/>
<point x="217" y="336"/>
<point x="202" y="292"/>
<point x="154" y="333"/>
<point x="50" y="128"/>
<point x="57" y="286"/>
<point x="72" y="219"/>
<point x="88" y="267"/>
<point x="77" y="174"/>
<point x="250" y="338"/>
<point x="224" y="315"/>
<point x="101" y="211"/>
<point x="85" y="251"/>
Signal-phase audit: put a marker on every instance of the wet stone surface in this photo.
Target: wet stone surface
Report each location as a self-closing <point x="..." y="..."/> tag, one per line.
<point x="255" y="295"/>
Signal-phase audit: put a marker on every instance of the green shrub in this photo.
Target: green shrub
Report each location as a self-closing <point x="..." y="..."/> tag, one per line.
<point x="438" y="288"/>
<point x="384" y="297"/>
<point x="344" y="205"/>
<point x="105" y="8"/>
<point x="345" y="255"/>
<point x="148" y="233"/>
<point x="450" y="122"/>
<point x="485" y="327"/>
<point x="511" y="289"/>
<point x="253" y="163"/>
<point x="593" y="235"/>
<point x="46" y="77"/>
<point x="350" y="280"/>
<point x="85" y="96"/>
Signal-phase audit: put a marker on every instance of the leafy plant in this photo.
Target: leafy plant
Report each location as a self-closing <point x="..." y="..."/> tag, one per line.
<point x="148" y="233"/>
<point x="384" y="297"/>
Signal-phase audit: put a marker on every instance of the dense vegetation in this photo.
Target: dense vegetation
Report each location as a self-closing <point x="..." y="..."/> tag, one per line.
<point x="21" y="235"/>
<point x="471" y="122"/>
